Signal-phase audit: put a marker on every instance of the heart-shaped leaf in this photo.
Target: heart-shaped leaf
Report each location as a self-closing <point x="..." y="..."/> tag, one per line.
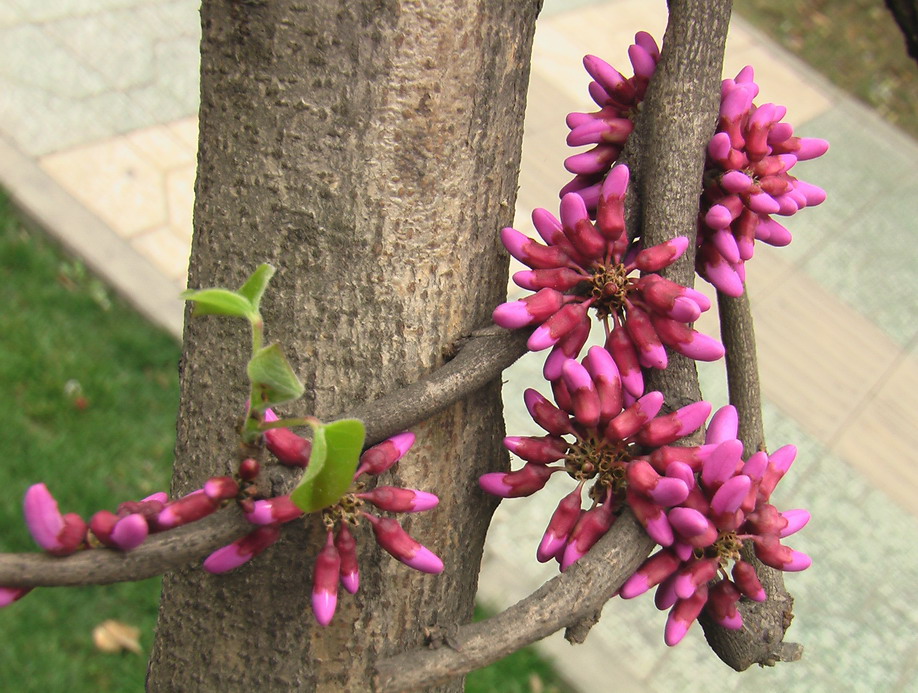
<point x="219" y="302"/>
<point x="336" y="449"/>
<point x="273" y="380"/>
<point x="255" y="285"/>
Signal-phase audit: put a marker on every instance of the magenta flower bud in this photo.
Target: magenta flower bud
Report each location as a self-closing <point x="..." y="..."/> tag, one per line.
<point x="687" y="341"/>
<point x="647" y="42"/>
<point x="610" y="209"/>
<point x="400" y="500"/>
<point x="561" y="395"/>
<point x="665" y="596"/>
<point x="101" y="525"/>
<point x="719" y="147"/>
<point x="523" y="482"/>
<point x="538" y="450"/>
<point x="633" y="418"/>
<point x="593" y="161"/>
<point x="557" y="326"/>
<point x="621" y="347"/>
<point x="55" y="533"/>
<point x="242" y="550"/>
<point x="688" y="522"/>
<point x="130" y="532"/>
<point x="559" y="279"/>
<point x="668" y="298"/>
<point x="771" y="552"/>
<point x="598" y="130"/>
<point x="771" y="232"/>
<point x="220" y="488"/>
<point x="568" y="347"/>
<point x="656" y="257"/>
<point x="8" y="595"/>
<point x="664" y="430"/>
<point x="683" y="472"/>
<point x="778" y="464"/>
<point x="583" y="393"/>
<point x="796" y="520"/>
<point x="756" y="465"/>
<point x="813" y="194"/>
<point x="393" y="538"/>
<point x="347" y="549"/>
<point x="683" y="614"/>
<point x="693" y="575"/>
<point x="248" y="469"/>
<point x="382" y="456"/>
<point x="735" y="182"/>
<point x="717" y="270"/>
<point x="579" y="229"/>
<point x="722" y="599"/>
<point x="531" y="310"/>
<point x="652" y="517"/>
<point x="190" y="508"/>
<point x="748" y="582"/>
<point x="726" y="244"/>
<point x="664" y="491"/>
<point x="531" y="253"/>
<point x="546" y="414"/>
<point x="665" y="456"/>
<point x="723" y="426"/>
<point x="650" y="350"/>
<point x="810" y="148"/>
<point x="273" y="511"/>
<point x="642" y="61"/>
<point x="722" y="463"/>
<point x="652" y="572"/>
<point x="607" y="76"/>
<point x="604" y="373"/>
<point x="325" y="582"/>
<point x="289" y="448"/>
<point x="730" y="496"/>
<point x="591" y="526"/>
<point x="158" y="497"/>
<point x="560" y="525"/>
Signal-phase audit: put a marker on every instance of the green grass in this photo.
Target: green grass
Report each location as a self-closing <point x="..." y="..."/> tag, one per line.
<point x="64" y="337"/>
<point x="854" y="43"/>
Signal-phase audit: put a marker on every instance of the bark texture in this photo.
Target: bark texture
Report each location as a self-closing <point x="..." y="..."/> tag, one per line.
<point x="369" y="150"/>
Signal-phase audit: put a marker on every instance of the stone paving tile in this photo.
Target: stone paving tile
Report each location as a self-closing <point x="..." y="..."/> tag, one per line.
<point x="167" y="252"/>
<point x="114" y="181"/>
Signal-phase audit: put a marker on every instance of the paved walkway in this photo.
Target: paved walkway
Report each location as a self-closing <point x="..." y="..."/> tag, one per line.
<point x="97" y="144"/>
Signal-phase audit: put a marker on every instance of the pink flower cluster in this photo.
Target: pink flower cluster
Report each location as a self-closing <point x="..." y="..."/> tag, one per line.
<point x="587" y="264"/>
<point x="699" y="503"/>
<point x="727" y="504"/>
<point x="747" y="180"/>
<point x="746" y="177"/>
<point x="337" y="561"/>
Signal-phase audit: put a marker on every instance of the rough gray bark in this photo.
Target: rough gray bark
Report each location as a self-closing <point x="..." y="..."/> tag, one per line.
<point x="368" y="150"/>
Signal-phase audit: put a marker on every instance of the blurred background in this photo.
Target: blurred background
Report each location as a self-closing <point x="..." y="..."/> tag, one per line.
<point x="98" y="128"/>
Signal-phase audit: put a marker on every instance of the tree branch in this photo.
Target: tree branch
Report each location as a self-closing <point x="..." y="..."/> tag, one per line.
<point x="562" y="601"/>
<point x="481" y="359"/>
<point x="764" y="623"/>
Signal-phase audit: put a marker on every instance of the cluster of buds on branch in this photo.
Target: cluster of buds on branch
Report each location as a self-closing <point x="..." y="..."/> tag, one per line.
<point x="331" y="487"/>
<point x="699" y="503"/>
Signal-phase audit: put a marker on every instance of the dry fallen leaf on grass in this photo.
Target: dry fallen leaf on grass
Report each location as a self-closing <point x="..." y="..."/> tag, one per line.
<point x="115" y="636"/>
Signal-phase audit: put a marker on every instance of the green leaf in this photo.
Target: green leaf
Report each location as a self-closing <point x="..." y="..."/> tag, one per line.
<point x="336" y="449"/>
<point x="273" y="380"/>
<point x="255" y="285"/>
<point x="219" y="302"/>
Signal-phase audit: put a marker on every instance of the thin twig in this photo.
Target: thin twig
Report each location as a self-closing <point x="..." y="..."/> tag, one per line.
<point x="480" y="360"/>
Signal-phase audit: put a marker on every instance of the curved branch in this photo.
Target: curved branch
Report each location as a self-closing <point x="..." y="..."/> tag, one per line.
<point x="562" y="601"/>
<point x="480" y="359"/>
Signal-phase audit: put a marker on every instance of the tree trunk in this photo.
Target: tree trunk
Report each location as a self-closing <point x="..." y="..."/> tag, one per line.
<point x="369" y="150"/>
